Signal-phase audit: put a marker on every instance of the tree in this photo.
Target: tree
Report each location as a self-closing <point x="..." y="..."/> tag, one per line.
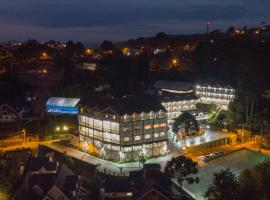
<point x="224" y="186"/>
<point x="248" y="186"/>
<point x="182" y="168"/>
<point x="107" y="46"/>
<point x="187" y="122"/>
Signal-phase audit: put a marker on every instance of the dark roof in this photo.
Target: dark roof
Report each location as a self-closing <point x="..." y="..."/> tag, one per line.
<point x="117" y="184"/>
<point x="168" y="96"/>
<point x="154" y="186"/>
<point x="125" y="104"/>
<point x="66" y="181"/>
<point x="173" y="85"/>
<point x="44" y="181"/>
<point x="214" y="83"/>
<point x="37" y="163"/>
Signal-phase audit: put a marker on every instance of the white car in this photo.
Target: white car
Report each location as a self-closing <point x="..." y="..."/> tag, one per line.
<point x="201" y="157"/>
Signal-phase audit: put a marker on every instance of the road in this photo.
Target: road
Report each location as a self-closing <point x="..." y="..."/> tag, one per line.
<point x="110" y="167"/>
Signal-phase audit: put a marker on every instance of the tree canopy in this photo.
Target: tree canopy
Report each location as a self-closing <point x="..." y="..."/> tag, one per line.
<point x="187" y="122"/>
<point x="182" y="168"/>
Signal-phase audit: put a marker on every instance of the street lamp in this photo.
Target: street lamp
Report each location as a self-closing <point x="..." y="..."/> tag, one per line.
<point x="174" y="61"/>
<point x="24" y="135"/>
<point x="65" y="128"/>
<point x="57" y="128"/>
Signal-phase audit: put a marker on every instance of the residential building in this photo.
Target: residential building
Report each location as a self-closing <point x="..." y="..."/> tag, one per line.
<point x="148" y="183"/>
<point x="215" y="94"/>
<point x="123" y="129"/>
<point x="9" y="116"/>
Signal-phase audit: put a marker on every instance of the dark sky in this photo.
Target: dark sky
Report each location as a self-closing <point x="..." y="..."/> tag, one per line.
<point x="96" y="20"/>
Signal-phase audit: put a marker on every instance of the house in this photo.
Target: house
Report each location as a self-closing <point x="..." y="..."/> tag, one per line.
<point x="146" y="184"/>
<point x="9" y="116"/>
<point x="65" y="187"/>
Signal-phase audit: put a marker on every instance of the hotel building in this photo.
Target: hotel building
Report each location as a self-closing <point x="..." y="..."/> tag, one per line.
<point x="123" y="129"/>
<point x="215" y="94"/>
<point x="176" y="97"/>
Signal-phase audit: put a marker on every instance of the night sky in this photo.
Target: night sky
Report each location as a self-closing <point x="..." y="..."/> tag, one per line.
<point x="96" y="20"/>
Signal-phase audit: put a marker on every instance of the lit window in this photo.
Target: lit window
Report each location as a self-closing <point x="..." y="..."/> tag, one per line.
<point x="147" y="126"/>
<point x="129" y="194"/>
<point x="115" y="148"/>
<point x="137" y="148"/>
<point x="162" y="134"/>
<point x="156" y="125"/>
<point x="137" y="138"/>
<point x="126" y="139"/>
<point x="156" y="135"/>
<point x="147" y="136"/>
<point x="163" y="125"/>
<point x="127" y="149"/>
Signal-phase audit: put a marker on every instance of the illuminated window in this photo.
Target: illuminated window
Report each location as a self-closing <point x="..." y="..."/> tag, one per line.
<point x="148" y="126"/>
<point x="156" y="135"/>
<point x="115" y="148"/>
<point x="115" y="138"/>
<point x="126" y="139"/>
<point x="127" y="149"/>
<point x="163" y="125"/>
<point x="147" y="136"/>
<point x="137" y="148"/>
<point x="156" y="125"/>
<point x="162" y="134"/>
<point x="137" y="138"/>
<point x="129" y="194"/>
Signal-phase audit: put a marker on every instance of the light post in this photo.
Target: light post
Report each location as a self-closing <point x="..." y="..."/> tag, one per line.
<point x="261" y="130"/>
<point x="24" y="135"/>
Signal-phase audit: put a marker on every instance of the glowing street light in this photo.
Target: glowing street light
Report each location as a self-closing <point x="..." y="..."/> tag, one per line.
<point x="44" y="54"/>
<point x="89" y="51"/>
<point x="57" y="128"/>
<point x="65" y="128"/>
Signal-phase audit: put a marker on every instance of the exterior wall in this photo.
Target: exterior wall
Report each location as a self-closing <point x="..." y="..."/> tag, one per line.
<point x="8" y="117"/>
<point x="221" y="96"/>
<point x="175" y="108"/>
<point x="123" y="138"/>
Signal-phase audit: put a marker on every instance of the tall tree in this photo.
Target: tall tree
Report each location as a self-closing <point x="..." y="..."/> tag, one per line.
<point x="224" y="186"/>
<point x="187" y="122"/>
<point x="182" y="168"/>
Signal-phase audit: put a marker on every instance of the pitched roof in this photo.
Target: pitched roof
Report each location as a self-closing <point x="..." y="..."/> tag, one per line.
<point x="66" y="180"/>
<point x="38" y="163"/>
<point x="168" y="96"/>
<point x="173" y="85"/>
<point x="124" y="105"/>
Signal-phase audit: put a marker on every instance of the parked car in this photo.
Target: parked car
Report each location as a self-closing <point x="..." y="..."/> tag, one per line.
<point x="201" y="157"/>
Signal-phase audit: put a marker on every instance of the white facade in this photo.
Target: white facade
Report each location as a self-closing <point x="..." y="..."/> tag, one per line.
<point x="218" y="95"/>
<point x="176" y="108"/>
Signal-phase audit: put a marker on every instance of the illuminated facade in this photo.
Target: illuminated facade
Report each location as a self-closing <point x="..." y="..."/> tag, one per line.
<point x="123" y="129"/>
<point x="176" y="97"/>
<point x="216" y="94"/>
<point x="175" y="103"/>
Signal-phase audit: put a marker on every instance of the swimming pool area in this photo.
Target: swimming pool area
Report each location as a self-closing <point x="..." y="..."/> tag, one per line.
<point x="237" y="161"/>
